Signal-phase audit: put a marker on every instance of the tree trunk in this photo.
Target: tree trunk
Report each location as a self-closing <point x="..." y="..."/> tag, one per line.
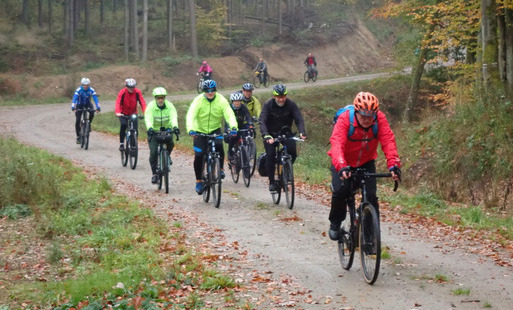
<point x="71" y="20"/>
<point x="280" y="19"/>
<point x="50" y="16"/>
<point x="25" y="13"/>
<point x="87" y="20"/>
<point x="508" y="39"/>
<point x="194" y="39"/>
<point x="40" y="13"/>
<point x="170" y="44"/>
<point x="418" y="71"/>
<point x="489" y="43"/>
<point x="127" y="29"/>
<point x="144" y="56"/>
<point x="102" y="12"/>
<point x="135" y="31"/>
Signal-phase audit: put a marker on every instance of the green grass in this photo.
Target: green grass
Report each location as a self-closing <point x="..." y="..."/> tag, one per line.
<point x="95" y="240"/>
<point x="461" y="291"/>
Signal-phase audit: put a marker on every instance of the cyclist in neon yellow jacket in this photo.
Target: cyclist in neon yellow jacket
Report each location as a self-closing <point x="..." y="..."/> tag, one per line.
<point x="205" y="115"/>
<point x="160" y="115"/>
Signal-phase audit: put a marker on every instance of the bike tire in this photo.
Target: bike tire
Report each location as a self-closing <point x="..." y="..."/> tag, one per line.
<point x="306" y="77"/>
<point x="346" y="243"/>
<point x="206" y="180"/>
<point x="82" y="133"/>
<point x="370" y="243"/>
<point x="244" y="163"/>
<point x="256" y="81"/>
<point x="252" y="155"/>
<point x="235" y="168"/>
<point x="87" y="129"/>
<point x="267" y="81"/>
<point x="277" y="195"/>
<point x="288" y="183"/>
<point x="124" y="153"/>
<point x="216" y="182"/>
<point x="165" y="169"/>
<point x="160" y="168"/>
<point x="133" y="150"/>
<point x="199" y="86"/>
<point x="314" y="78"/>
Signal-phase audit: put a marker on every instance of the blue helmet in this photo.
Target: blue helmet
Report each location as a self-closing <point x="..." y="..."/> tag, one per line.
<point x="207" y="84"/>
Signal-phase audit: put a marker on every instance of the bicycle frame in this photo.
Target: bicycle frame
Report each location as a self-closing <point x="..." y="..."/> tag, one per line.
<point x="212" y="179"/>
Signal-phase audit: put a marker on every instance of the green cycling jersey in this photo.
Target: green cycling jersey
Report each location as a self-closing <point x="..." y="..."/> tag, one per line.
<point x="254" y="106"/>
<point x="207" y="116"/>
<point x="156" y="117"/>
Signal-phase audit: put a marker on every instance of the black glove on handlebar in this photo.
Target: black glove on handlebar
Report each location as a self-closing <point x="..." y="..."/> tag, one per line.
<point x="176" y="130"/>
<point x="396" y="171"/>
<point x="346" y="169"/>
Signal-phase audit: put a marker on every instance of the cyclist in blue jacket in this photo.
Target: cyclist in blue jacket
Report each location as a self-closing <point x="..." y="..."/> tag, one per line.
<point x="82" y="100"/>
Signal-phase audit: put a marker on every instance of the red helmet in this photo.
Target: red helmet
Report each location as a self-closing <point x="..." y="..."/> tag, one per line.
<point x="366" y="104"/>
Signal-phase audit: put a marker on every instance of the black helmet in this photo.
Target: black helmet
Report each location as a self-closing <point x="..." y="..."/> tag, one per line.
<point x="279" y="90"/>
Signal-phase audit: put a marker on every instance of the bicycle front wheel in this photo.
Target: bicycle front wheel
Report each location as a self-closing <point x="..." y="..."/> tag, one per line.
<point x="87" y="130"/>
<point x="267" y="81"/>
<point x="216" y="181"/>
<point x="235" y="167"/>
<point x="277" y="194"/>
<point x="124" y="155"/>
<point x="165" y="169"/>
<point x="306" y="77"/>
<point x="346" y="243"/>
<point x="288" y="183"/>
<point x="370" y="243"/>
<point x="133" y="150"/>
<point x="256" y="81"/>
<point x="205" y="177"/>
<point x="252" y="150"/>
<point x="244" y="163"/>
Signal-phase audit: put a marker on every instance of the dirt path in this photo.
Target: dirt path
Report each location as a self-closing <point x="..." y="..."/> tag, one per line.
<point x="297" y="254"/>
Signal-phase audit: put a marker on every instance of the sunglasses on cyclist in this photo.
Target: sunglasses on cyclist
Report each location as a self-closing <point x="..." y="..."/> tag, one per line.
<point x="160" y="97"/>
<point x="210" y="90"/>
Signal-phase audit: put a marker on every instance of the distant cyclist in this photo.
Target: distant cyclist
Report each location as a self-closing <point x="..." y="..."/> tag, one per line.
<point x="311" y="63"/>
<point x="359" y="151"/>
<point x="252" y="103"/>
<point x="160" y="114"/>
<point x="205" y="115"/>
<point x="82" y="100"/>
<point x="126" y="104"/>
<point x="244" y="121"/>
<point x="205" y="70"/>
<point x="278" y="112"/>
<point x="261" y="67"/>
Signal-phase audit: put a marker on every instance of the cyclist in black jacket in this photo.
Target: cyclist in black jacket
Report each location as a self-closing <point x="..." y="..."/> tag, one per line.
<point x="244" y="121"/>
<point x="278" y="112"/>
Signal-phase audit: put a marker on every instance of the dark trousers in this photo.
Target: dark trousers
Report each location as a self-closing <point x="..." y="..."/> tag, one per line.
<point x="78" y="116"/>
<point x="270" y="158"/>
<point x="200" y="150"/>
<point x="124" y="126"/>
<point x="154" y="148"/>
<point x="342" y="191"/>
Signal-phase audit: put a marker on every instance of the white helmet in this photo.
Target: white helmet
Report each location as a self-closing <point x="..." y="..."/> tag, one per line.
<point x="237" y="96"/>
<point x="130" y="82"/>
<point x="85" y="81"/>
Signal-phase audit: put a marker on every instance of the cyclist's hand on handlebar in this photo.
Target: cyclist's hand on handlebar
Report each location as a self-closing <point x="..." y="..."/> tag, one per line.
<point x="98" y="110"/>
<point x="396" y="173"/>
<point x="345" y="173"/>
<point x="119" y="114"/>
<point x="151" y="131"/>
<point x="176" y="130"/>
<point x="73" y="109"/>
<point x="192" y="133"/>
<point x="302" y="136"/>
<point x="233" y="132"/>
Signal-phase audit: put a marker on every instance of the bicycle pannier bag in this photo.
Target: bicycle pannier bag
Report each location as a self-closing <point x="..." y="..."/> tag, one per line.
<point x="261" y="165"/>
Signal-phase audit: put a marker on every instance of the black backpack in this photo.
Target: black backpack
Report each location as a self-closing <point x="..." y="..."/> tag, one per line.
<point x="261" y="165"/>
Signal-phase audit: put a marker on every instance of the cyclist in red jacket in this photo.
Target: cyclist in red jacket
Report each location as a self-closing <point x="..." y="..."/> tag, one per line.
<point x="359" y="150"/>
<point x="126" y="104"/>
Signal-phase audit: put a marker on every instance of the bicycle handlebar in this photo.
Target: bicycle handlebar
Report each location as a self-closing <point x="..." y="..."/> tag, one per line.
<point x="130" y="116"/>
<point x="167" y="133"/>
<point x="211" y="135"/>
<point x="359" y="172"/>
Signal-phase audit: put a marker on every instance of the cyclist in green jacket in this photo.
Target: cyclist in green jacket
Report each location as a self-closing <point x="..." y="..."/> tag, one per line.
<point x="160" y="115"/>
<point x="252" y="103"/>
<point x="205" y="115"/>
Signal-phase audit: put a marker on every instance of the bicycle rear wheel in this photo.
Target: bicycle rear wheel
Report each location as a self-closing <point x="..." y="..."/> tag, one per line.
<point x="370" y="243"/>
<point x="215" y="175"/>
<point x="288" y="183"/>
<point x="252" y="151"/>
<point x="306" y="77"/>
<point x="205" y="177"/>
<point x="133" y="150"/>
<point x="346" y="243"/>
<point x="87" y="130"/>
<point x="314" y="77"/>
<point x="244" y="163"/>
